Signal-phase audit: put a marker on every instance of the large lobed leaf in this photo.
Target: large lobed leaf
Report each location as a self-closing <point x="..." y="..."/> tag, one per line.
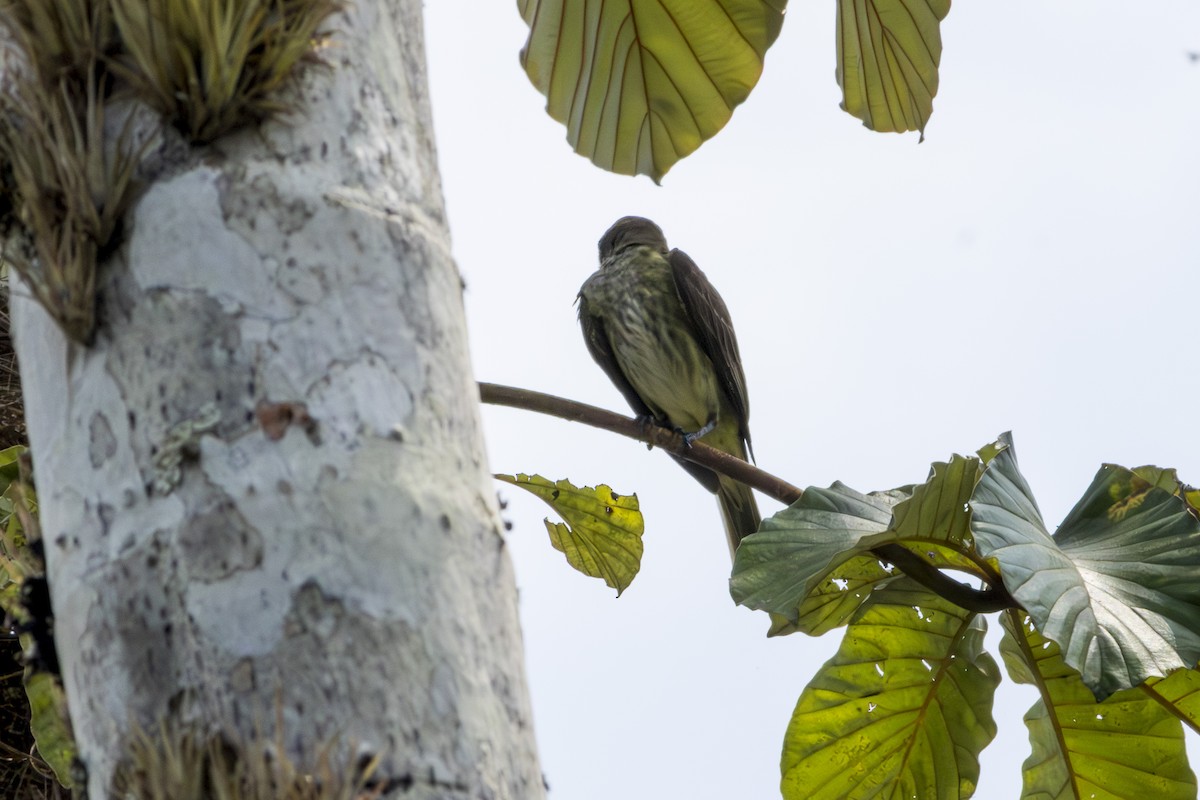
<point x="642" y="83"/>
<point x="1180" y="692"/>
<point x="1115" y="587"/>
<point x="888" y="53"/>
<point x="902" y="710"/>
<point x="1129" y="746"/>
<point x="809" y="567"/>
<point x="603" y="534"/>
<point x="805" y="564"/>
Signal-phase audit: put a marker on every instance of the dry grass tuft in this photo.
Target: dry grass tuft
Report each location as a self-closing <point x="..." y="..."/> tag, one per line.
<point x="210" y="66"/>
<point x="72" y="196"/>
<point x="69" y="193"/>
<point x="63" y="37"/>
<point x="181" y="764"/>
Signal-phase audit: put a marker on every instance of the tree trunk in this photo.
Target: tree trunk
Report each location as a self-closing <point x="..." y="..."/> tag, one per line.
<point x="263" y="489"/>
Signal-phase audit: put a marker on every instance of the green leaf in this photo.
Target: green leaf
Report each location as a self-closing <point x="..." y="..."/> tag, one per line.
<point x="902" y="710"/>
<point x="935" y="521"/>
<point x="1116" y="586"/>
<point x="1167" y="480"/>
<point x="802" y="563"/>
<point x="50" y="725"/>
<point x="835" y="599"/>
<point x="1129" y="746"/>
<point x="603" y="534"/>
<point x="937" y="510"/>
<point x="642" y="83"/>
<point x="808" y="565"/>
<point x="10" y="468"/>
<point x="1179" y="692"/>
<point x="888" y="53"/>
<point x="16" y="558"/>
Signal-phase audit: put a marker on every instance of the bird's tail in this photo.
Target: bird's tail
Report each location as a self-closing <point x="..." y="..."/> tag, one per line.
<point x="739" y="510"/>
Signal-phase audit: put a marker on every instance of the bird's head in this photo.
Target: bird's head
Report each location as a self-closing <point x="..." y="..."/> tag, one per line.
<point x="630" y="232"/>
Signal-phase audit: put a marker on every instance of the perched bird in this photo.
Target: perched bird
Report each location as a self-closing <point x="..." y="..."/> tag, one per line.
<point x="658" y="328"/>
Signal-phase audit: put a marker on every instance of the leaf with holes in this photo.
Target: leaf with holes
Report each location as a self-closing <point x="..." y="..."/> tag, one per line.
<point x="642" y="83"/>
<point x="888" y="53"/>
<point x="902" y="710"/>
<point x="807" y="563"/>
<point x="603" y="534"/>
<point x="1129" y="746"/>
<point x="1115" y="587"/>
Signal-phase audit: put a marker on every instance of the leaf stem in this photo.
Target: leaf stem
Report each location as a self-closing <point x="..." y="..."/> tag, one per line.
<point x="995" y="598"/>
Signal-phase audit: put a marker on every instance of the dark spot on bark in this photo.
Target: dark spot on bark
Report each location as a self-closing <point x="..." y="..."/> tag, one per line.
<point x="219" y="541"/>
<point x="276" y="418"/>
<point x="102" y="444"/>
<point x="445" y="520"/>
<point x="106" y="514"/>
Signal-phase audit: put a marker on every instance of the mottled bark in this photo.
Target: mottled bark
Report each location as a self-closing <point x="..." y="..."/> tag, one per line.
<point x="263" y="488"/>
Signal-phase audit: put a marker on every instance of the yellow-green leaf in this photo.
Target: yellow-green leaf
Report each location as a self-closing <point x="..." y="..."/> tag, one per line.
<point x="1128" y="747"/>
<point x="1180" y="693"/>
<point x="603" y="534"/>
<point x="802" y="565"/>
<point x="903" y="709"/>
<point x="642" y="83"/>
<point x="50" y="725"/>
<point x="888" y="53"/>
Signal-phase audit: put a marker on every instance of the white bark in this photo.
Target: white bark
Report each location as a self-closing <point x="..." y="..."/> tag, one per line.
<point x="350" y="575"/>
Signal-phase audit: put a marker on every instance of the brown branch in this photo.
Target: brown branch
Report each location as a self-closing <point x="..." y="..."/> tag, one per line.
<point x="995" y="598"/>
<point x="654" y="435"/>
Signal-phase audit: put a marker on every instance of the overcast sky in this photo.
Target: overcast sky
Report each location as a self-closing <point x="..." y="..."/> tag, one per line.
<point x="1032" y="266"/>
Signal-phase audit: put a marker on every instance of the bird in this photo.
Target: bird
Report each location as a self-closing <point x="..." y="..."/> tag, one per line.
<point x="663" y="335"/>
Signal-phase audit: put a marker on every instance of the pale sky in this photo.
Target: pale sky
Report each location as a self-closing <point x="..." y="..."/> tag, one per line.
<point x="1031" y="267"/>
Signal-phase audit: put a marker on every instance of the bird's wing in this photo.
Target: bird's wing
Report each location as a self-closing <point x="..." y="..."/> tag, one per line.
<point x="596" y="339"/>
<point x="599" y="346"/>
<point x="714" y="330"/>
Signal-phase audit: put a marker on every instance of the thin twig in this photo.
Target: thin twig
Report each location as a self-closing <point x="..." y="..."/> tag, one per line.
<point x="995" y="598"/>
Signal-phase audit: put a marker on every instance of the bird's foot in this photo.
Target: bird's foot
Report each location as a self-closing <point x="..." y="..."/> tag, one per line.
<point x="689" y="438"/>
<point x="647" y="421"/>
